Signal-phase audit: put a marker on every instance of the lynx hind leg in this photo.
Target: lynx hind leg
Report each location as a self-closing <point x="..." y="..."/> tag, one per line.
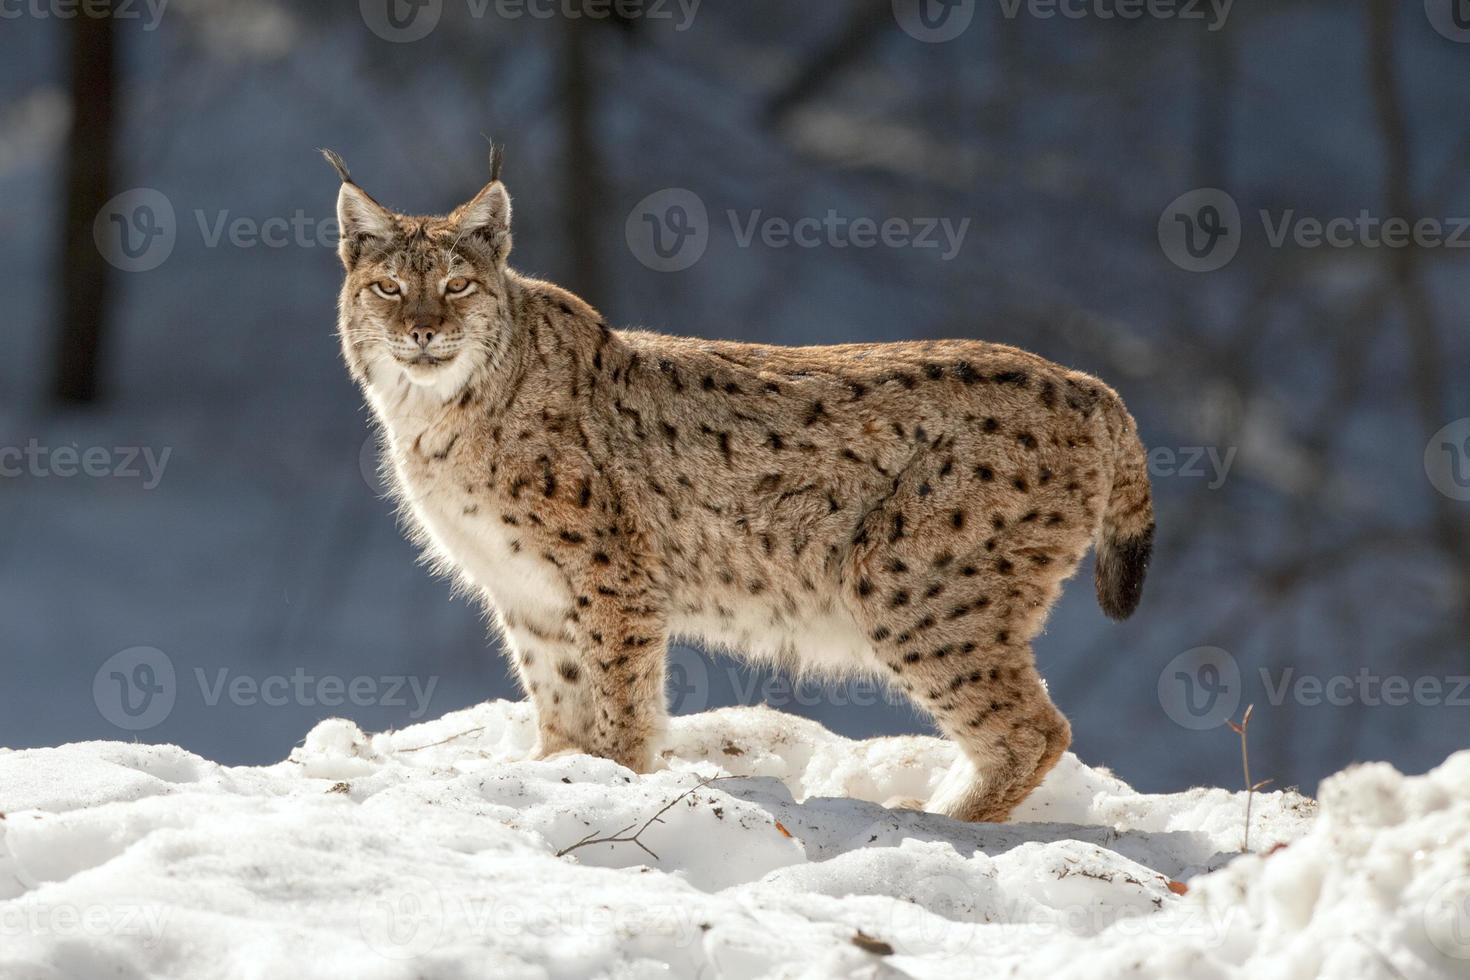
<point x="993" y="705"/>
<point x="1010" y="743"/>
<point x="986" y="696"/>
<point x="950" y="584"/>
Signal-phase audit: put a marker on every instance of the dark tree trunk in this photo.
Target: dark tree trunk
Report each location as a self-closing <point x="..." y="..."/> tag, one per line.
<point x="82" y="278"/>
<point x="1213" y="131"/>
<point x="583" y="168"/>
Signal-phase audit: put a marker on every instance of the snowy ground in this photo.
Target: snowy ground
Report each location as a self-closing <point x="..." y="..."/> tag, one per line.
<point x="433" y="852"/>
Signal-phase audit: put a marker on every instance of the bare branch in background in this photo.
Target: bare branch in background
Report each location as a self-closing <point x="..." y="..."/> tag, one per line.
<point x="867" y="21"/>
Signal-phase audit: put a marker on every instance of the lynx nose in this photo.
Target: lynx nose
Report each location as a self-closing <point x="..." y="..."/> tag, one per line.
<point x="423" y="332"/>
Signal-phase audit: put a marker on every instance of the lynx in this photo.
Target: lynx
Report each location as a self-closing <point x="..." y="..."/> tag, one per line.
<point x="908" y="510"/>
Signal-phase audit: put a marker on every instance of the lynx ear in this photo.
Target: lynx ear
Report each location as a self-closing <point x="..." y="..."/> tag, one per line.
<point x="359" y="217"/>
<point x="362" y="220"/>
<point x="487" y="218"/>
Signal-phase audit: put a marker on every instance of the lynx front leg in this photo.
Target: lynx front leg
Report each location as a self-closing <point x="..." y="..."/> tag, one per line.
<point x="624" y="643"/>
<point x="595" y="666"/>
<point x="551" y="669"/>
<point x="597" y="683"/>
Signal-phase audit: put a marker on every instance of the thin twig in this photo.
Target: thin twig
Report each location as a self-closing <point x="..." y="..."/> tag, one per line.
<point x="618" y="838"/>
<point x="442" y="741"/>
<point x="1245" y="763"/>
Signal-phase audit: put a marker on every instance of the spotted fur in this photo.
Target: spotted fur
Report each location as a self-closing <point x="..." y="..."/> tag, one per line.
<point x="909" y="510"/>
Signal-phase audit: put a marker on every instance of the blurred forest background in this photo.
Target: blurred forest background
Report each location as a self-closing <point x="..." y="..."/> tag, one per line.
<point x="1313" y="383"/>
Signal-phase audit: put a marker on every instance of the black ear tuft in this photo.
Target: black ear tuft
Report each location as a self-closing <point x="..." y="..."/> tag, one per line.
<point x="497" y="158"/>
<point x="338" y="164"/>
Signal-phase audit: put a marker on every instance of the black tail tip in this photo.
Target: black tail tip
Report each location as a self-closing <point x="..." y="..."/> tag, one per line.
<point x="1122" y="565"/>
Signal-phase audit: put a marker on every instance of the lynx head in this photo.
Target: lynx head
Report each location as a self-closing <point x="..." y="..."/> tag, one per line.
<point x="423" y="298"/>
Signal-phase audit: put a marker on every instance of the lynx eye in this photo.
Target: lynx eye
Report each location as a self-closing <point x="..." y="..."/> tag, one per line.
<point x="457" y="285"/>
<point x="386" y="287"/>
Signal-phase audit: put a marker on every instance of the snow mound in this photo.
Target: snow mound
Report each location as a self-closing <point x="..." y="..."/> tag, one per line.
<point x="762" y="848"/>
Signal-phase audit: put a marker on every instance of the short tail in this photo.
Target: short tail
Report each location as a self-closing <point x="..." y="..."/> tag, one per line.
<point x="1126" y="539"/>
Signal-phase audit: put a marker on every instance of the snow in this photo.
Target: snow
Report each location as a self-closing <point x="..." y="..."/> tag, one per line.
<point x="439" y="851"/>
